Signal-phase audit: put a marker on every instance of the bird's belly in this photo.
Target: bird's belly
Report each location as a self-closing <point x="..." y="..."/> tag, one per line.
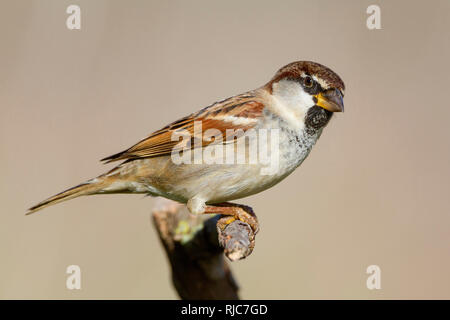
<point x="214" y="183"/>
<point x="219" y="182"/>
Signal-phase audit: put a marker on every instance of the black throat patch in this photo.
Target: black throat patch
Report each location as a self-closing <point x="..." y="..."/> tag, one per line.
<point x="317" y="118"/>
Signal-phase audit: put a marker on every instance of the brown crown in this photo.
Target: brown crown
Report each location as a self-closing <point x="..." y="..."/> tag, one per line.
<point x="294" y="70"/>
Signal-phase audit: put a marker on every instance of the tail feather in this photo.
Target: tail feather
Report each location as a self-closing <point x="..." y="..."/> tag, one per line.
<point x="83" y="189"/>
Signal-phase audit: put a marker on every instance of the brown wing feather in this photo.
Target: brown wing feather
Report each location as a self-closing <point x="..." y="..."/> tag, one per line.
<point x="219" y="115"/>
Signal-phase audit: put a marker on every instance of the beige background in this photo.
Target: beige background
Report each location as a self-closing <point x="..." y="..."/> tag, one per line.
<point x="375" y="189"/>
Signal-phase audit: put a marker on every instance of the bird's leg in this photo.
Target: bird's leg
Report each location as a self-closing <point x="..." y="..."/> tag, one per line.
<point x="236" y="212"/>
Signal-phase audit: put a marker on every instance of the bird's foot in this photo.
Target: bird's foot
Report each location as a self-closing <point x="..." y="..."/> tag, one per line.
<point x="232" y="212"/>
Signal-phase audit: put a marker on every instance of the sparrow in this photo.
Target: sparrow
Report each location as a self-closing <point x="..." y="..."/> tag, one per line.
<point x="296" y="104"/>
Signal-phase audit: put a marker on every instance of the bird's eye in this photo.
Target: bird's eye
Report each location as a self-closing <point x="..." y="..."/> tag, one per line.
<point x="308" y="82"/>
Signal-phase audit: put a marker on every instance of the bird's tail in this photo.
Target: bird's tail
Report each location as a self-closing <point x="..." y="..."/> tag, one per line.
<point x="87" y="188"/>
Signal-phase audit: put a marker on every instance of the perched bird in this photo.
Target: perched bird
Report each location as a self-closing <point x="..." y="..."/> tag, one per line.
<point x="296" y="104"/>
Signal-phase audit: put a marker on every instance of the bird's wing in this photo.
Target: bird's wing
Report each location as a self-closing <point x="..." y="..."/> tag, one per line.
<point x="238" y="112"/>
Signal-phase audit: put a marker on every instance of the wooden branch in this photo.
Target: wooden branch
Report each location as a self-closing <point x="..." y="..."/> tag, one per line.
<point x="195" y="245"/>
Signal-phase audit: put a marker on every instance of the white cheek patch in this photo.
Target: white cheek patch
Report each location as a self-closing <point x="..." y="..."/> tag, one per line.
<point x="291" y="101"/>
<point x="291" y="93"/>
<point x="305" y="100"/>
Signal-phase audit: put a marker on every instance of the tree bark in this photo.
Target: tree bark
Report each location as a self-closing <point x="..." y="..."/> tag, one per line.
<point x="195" y="247"/>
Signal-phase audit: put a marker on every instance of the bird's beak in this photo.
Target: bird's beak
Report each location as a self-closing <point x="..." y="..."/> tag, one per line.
<point x="330" y="100"/>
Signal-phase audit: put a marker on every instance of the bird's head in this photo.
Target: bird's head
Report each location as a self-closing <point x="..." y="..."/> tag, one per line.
<point x="310" y="90"/>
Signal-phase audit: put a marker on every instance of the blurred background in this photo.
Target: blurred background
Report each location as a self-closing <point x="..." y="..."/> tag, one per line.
<point x="374" y="190"/>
